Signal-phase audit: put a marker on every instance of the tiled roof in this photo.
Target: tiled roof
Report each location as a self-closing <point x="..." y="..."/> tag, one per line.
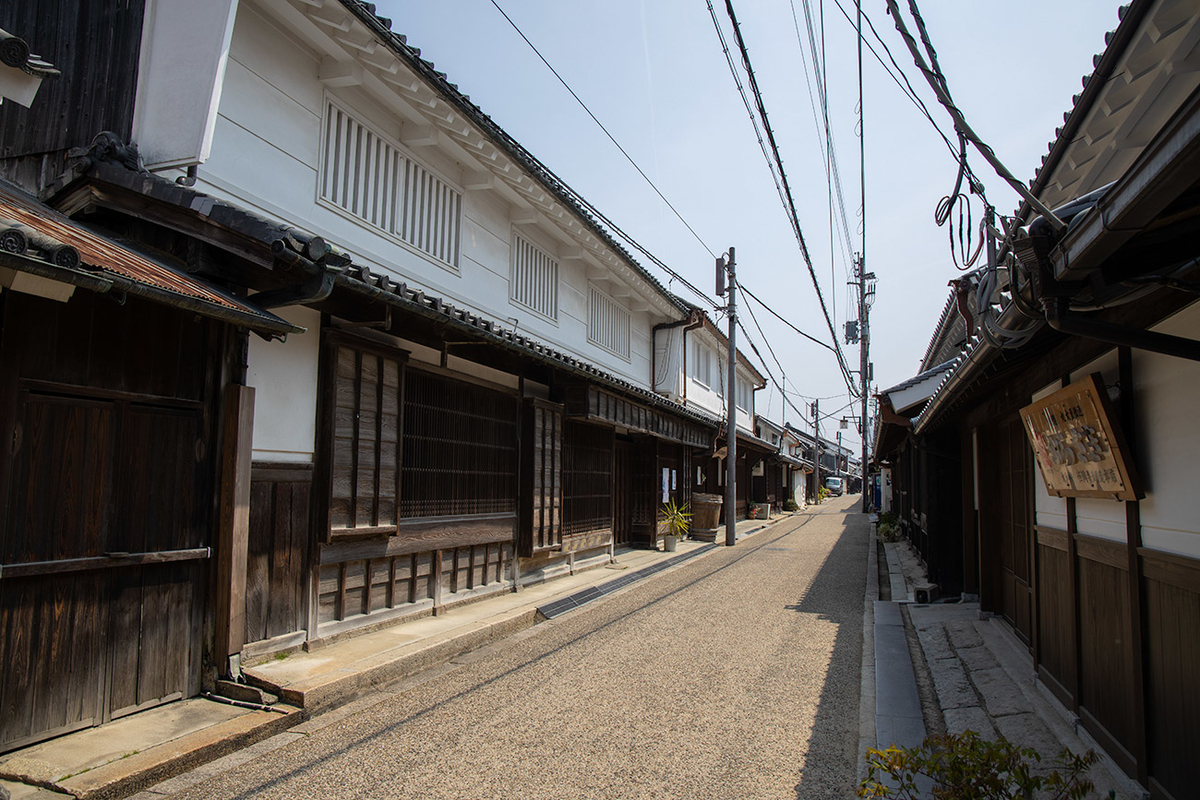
<point x="14" y="52"/>
<point x="357" y="278"/>
<point x="384" y="289"/>
<point x="914" y="380"/>
<point x="34" y="233"/>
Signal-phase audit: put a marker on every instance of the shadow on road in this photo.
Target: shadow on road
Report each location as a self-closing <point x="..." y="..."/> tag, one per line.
<point x="836" y="595"/>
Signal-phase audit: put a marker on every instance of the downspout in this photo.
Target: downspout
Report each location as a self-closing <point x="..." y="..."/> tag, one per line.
<point x="1063" y="320"/>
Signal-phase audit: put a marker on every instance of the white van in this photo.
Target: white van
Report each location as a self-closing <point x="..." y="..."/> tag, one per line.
<point x="835" y="486"/>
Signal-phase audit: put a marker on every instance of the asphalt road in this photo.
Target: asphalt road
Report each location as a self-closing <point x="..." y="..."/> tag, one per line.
<point x="732" y="676"/>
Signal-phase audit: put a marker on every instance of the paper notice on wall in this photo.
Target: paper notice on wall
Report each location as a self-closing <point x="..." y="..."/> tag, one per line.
<point x="666" y="484"/>
<point x="674" y="479"/>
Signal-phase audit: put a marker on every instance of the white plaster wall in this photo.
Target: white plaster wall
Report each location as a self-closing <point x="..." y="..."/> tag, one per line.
<point x="1168" y="390"/>
<point x="182" y="61"/>
<point x="708" y="398"/>
<point x="284" y="377"/>
<point x="265" y="154"/>
<point x="1096" y="517"/>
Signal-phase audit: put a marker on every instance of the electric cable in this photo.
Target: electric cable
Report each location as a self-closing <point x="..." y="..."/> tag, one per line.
<point x="937" y="82"/>
<point x="601" y="124"/>
<point x="790" y="206"/>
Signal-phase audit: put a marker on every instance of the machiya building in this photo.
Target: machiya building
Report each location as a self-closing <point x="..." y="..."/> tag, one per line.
<point x="1042" y="456"/>
<point x="297" y="342"/>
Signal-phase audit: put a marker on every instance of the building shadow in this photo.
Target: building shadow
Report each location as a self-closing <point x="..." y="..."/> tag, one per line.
<point x="836" y="596"/>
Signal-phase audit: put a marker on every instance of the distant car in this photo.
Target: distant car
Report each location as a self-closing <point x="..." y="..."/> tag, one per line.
<point x="836" y="486"/>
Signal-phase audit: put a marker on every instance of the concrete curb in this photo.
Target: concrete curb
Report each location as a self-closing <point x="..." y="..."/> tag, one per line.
<point x="866" y="701"/>
<point x="125" y="776"/>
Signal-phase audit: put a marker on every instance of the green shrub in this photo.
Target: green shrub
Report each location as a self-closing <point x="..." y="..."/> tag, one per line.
<point x="790" y="505"/>
<point x="968" y="767"/>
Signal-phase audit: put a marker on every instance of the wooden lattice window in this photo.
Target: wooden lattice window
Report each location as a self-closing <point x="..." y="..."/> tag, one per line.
<point x="460" y="448"/>
<point x="367" y="175"/>
<point x="534" y="279"/>
<point x="608" y="322"/>
<point x="366" y="421"/>
<point x="541" y="477"/>
<point x="587" y="478"/>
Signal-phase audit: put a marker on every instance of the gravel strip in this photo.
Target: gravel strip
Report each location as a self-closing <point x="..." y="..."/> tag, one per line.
<point x="732" y="676"/>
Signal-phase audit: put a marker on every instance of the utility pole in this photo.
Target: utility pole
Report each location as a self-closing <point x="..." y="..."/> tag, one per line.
<point x="816" y="411"/>
<point x="866" y="295"/>
<point x="727" y="284"/>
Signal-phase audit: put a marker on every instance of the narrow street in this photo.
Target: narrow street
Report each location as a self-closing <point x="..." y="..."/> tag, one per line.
<point x="735" y="675"/>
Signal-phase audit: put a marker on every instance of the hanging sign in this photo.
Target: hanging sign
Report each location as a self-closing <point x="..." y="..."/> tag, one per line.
<point x="1079" y="448"/>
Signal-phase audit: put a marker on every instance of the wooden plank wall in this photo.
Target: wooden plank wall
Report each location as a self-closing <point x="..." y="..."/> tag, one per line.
<point x="359" y="591"/>
<point x="277" y="561"/>
<point x="1086" y="656"/>
<point x="1105" y="657"/>
<point x="1172" y="608"/>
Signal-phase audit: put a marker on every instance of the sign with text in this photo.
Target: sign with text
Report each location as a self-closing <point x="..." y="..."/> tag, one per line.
<point x="1079" y="448"/>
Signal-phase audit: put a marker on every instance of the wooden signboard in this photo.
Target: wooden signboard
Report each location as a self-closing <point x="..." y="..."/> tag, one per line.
<point x="1078" y="445"/>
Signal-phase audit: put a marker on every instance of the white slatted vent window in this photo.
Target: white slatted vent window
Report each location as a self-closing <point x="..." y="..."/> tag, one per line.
<point x="366" y="175"/>
<point x="608" y="323"/>
<point x="534" y="280"/>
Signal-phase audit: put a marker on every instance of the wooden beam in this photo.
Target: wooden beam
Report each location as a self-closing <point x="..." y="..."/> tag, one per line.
<point x="525" y="216"/>
<point x="419" y="135"/>
<point x="233" y="535"/>
<point x="338" y="74"/>
<point x="478" y="181"/>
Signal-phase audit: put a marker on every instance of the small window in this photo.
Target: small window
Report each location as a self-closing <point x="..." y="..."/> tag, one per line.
<point x="608" y="323"/>
<point x="743" y="394"/>
<point x="534" y="279"/>
<point x="702" y="364"/>
<point x="366" y="175"/>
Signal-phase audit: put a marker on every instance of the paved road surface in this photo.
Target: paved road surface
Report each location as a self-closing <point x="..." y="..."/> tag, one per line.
<point x="734" y="676"/>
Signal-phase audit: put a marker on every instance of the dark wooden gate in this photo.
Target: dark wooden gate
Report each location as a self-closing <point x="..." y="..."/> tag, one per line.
<point x="622" y="492"/>
<point x="1014" y="525"/>
<point x="105" y="511"/>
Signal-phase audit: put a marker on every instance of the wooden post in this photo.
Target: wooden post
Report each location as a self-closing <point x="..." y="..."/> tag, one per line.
<point x="234" y="533"/>
<point x="1133" y="541"/>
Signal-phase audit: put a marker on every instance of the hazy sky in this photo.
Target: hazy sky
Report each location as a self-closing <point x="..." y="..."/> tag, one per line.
<point x="654" y="74"/>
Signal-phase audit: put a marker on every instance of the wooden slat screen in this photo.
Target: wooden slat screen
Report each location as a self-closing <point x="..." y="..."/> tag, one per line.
<point x="365" y="448"/>
<point x="460" y="448"/>
<point x="542" y="488"/>
<point x="587" y="478"/>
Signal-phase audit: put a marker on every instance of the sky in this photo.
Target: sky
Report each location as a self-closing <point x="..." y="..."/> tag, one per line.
<point x="654" y="74"/>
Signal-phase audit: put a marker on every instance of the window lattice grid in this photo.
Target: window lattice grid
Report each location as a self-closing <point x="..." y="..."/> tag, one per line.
<point x="365" y="453"/>
<point x="534" y="281"/>
<point x="367" y="176"/>
<point x="587" y="478"/>
<point x="608" y="323"/>
<point x="460" y="449"/>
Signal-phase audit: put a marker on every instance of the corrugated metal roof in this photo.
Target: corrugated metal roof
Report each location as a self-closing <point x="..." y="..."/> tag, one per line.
<point x="99" y="254"/>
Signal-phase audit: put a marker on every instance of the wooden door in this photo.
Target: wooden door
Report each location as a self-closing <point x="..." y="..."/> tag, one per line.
<point x="1014" y="520"/>
<point x="106" y="487"/>
<point x="622" y="492"/>
<point x="103" y="559"/>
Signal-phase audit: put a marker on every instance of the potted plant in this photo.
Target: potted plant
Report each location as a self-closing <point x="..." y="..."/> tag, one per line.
<point x="675" y="521"/>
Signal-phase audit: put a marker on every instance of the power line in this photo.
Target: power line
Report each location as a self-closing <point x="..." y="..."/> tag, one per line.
<point x="937" y="81"/>
<point x="595" y="212"/>
<point x="790" y="205"/>
<point x="601" y="124"/>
